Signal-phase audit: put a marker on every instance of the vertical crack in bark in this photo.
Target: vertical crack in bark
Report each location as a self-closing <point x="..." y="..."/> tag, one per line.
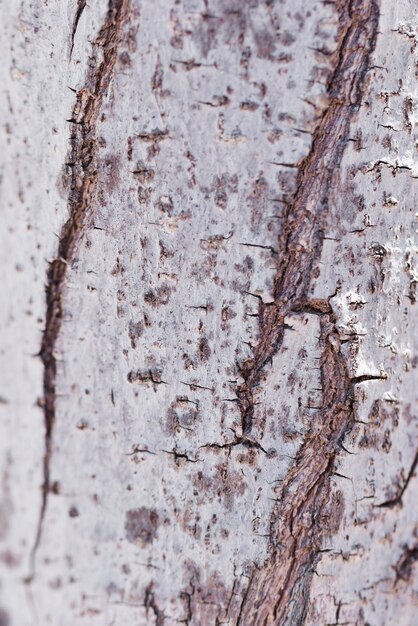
<point x="279" y="591"/>
<point x="300" y="242"/>
<point x="150" y="603"/>
<point x="82" y="183"/>
<point x="398" y="498"/>
<point x="81" y="5"/>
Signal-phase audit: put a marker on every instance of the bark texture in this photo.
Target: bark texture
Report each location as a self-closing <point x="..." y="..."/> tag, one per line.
<point x="209" y="351"/>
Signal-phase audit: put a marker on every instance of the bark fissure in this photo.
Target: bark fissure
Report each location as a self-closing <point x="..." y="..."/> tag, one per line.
<point x="398" y="498"/>
<point x="279" y="591"/>
<point x="207" y="230"/>
<point x="300" y="242"/>
<point x="81" y="5"/>
<point x="82" y="183"/>
<point x="150" y="603"/>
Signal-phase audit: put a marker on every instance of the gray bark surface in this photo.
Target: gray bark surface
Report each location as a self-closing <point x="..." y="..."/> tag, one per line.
<point x="208" y="385"/>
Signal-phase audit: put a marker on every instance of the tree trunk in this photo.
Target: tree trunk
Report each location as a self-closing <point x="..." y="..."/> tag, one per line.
<point x="209" y="244"/>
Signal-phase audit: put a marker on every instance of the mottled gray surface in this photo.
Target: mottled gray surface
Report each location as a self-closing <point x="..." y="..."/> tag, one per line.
<point x="152" y="518"/>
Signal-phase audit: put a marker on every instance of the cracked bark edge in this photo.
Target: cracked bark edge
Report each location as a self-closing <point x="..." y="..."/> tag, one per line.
<point x="81" y="5"/>
<point x="82" y="183"/>
<point x="300" y="243"/>
<point x="398" y="498"/>
<point x="279" y="591"/>
<point x="150" y="603"/>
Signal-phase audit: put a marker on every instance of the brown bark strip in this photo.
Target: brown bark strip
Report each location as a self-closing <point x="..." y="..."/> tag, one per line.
<point x="279" y="591"/>
<point x="82" y="183"/>
<point x="300" y="243"/>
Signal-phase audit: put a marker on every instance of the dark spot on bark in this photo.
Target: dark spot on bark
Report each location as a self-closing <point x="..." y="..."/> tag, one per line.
<point x="223" y="184"/>
<point x="246" y="267"/>
<point x="245" y="58"/>
<point x="219" y="100"/>
<point x="265" y="43"/>
<point x="189" y="362"/>
<point x="377" y="251"/>
<point x="151" y="376"/>
<point x="181" y="414"/>
<point x="204" y="349"/>
<point x="9" y="559"/>
<point x="221" y="198"/>
<point x="291" y="381"/>
<point x="405" y="564"/>
<point x="157" y="77"/>
<point x="4" y="618"/>
<point x="125" y="59"/>
<point x="165" y="204"/>
<point x="136" y="329"/>
<point x="249" y="105"/>
<point x="286" y="39"/>
<point x="176" y="40"/>
<point x="73" y="512"/>
<point x="274" y="135"/>
<point x="143" y="194"/>
<point x="55" y="488"/>
<point x="248" y="458"/>
<point x="258" y="201"/>
<point x="213" y="243"/>
<point x="131" y="39"/>
<point x="387" y="142"/>
<point x="223" y="484"/>
<point x="111" y="167"/>
<point x="159" y="296"/>
<point x="227" y="313"/>
<point x="118" y="269"/>
<point x="120" y="311"/>
<point x="141" y="525"/>
<point x="408" y="109"/>
<point x="143" y="173"/>
<point x="358" y="140"/>
<point x="375" y="434"/>
<point x="360" y="202"/>
<point x="130" y="148"/>
<point x="165" y="253"/>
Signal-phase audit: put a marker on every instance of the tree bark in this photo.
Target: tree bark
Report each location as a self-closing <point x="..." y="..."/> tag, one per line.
<point x="209" y="364"/>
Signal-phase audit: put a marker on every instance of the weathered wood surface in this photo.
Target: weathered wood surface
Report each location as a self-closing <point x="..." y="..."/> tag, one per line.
<point x="208" y="325"/>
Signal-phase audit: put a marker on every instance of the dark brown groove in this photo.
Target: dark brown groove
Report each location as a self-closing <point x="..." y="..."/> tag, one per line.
<point x="81" y="5"/>
<point x="300" y="242"/>
<point x="279" y="591"/>
<point x="82" y="183"/>
<point x="398" y="498"/>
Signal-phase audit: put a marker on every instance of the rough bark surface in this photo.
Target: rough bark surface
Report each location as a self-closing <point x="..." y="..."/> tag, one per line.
<point x="209" y="351"/>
